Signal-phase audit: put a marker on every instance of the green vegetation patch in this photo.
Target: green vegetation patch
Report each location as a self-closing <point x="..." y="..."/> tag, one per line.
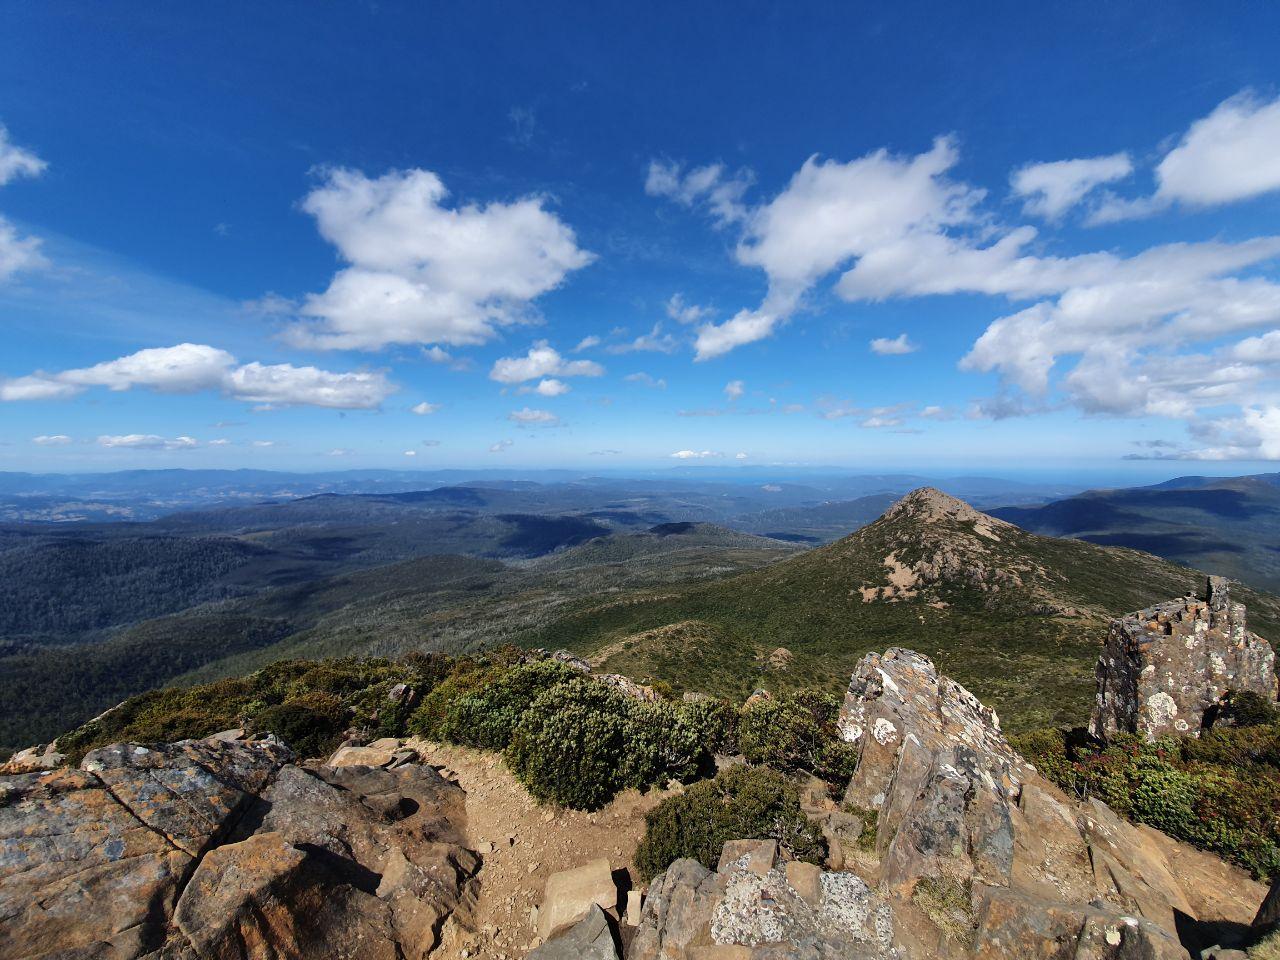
<point x="739" y="803"/>
<point x="1219" y="791"/>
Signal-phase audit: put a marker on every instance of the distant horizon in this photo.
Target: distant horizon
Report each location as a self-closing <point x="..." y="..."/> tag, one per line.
<point x="1144" y="473"/>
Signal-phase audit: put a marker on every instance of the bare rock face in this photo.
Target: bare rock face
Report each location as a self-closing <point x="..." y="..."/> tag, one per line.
<point x="227" y="849"/>
<point x="976" y="856"/>
<point x="1164" y="668"/>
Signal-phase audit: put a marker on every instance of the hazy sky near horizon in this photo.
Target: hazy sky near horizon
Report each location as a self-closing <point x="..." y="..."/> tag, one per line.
<point x="490" y="234"/>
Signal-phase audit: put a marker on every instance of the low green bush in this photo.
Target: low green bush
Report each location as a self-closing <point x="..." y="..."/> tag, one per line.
<point x="1219" y="791"/>
<point x="570" y="746"/>
<point x="797" y="732"/>
<point x="739" y="803"/>
<point x="716" y="724"/>
<point x="312" y="723"/>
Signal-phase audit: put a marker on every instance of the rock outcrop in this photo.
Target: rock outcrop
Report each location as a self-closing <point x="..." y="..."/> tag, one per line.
<point x="1165" y="669"/>
<point x="227" y="849"/>
<point x="967" y="853"/>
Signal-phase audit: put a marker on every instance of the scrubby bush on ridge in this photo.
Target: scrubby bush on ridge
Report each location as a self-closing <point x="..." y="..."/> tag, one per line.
<point x="739" y="803"/>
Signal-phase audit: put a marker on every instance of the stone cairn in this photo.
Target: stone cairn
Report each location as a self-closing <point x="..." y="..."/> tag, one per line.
<point x="1165" y="670"/>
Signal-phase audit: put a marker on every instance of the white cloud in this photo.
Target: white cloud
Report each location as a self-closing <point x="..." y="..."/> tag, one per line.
<point x="695" y="454"/>
<point x="423" y="272"/>
<point x="56" y="440"/>
<point x="147" y="441"/>
<point x="284" y="385"/>
<point x="934" y="412"/>
<point x="892" y="347"/>
<point x="411" y="453"/>
<point x="36" y="387"/>
<point x="340" y="452"/>
<point x="831" y="213"/>
<point x="528" y="417"/>
<point x="16" y="252"/>
<point x="1230" y="155"/>
<point x="190" y="367"/>
<point x="655" y="341"/>
<point x="740" y="456"/>
<point x="734" y="390"/>
<point x="263" y="444"/>
<point x="686" y="313"/>
<point x="220" y="442"/>
<point x="1051" y="189"/>
<point x="643" y="378"/>
<point x="424" y="409"/>
<point x="542" y="360"/>
<point x="500" y="446"/>
<point x="17" y="162"/>
<point x="709" y="185"/>
<point x="551" y="388"/>
<point x="586" y="343"/>
<point x="186" y="368"/>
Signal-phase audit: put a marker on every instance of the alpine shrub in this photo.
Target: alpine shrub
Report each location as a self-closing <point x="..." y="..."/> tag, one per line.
<point x="570" y="745"/>
<point x="796" y="732"/>
<point x="312" y="724"/>
<point x="740" y="803"/>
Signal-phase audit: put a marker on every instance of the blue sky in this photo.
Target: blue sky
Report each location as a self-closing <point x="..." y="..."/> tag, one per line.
<point x="409" y="235"/>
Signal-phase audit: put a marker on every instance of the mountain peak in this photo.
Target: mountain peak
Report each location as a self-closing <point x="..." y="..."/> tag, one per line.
<point x="930" y="505"/>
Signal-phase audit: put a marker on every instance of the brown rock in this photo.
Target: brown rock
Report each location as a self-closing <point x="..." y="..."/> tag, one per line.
<point x="569" y="895"/>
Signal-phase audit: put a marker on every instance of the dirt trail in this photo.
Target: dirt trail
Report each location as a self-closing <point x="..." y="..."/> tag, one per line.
<point x="522" y="844"/>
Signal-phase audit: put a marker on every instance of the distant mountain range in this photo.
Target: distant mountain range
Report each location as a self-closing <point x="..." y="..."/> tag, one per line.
<point x="1230" y="526"/>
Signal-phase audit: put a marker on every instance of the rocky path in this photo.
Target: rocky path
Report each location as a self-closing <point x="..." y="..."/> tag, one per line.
<point x="522" y="844"/>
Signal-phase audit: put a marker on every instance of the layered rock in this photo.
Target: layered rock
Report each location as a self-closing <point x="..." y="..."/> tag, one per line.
<point x="1164" y="670"/>
<point x="227" y="849"/>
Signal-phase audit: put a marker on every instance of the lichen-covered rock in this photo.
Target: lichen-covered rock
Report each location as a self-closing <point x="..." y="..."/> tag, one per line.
<point x="226" y="849"/>
<point x="752" y="909"/>
<point x="1164" y="668"/>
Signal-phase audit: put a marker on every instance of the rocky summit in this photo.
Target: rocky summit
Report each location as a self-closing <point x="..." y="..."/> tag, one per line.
<point x="966" y="852"/>
<point x="1165" y="669"/>
<point x="228" y="849"/>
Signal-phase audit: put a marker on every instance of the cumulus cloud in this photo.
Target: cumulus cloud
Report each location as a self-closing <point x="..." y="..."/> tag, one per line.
<point x="1230" y="155"/>
<point x="740" y="456"/>
<point x="734" y="390"/>
<point x="528" y="417"/>
<point x="420" y="271"/>
<point x="147" y="441"/>
<point x="695" y="454"/>
<point x="586" y="343"/>
<point x="549" y="387"/>
<point x="411" y="453"/>
<point x="191" y="367"/>
<point x="1051" y="189"/>
<point x="708" y="186"/>
<point x="54" y="440"/>
<point x="893" y="346"/>
<point x="500" y="446"/>
<point x="17" y="253"/>
<point x="424" y="409"/>
<point x="542" y="360"/>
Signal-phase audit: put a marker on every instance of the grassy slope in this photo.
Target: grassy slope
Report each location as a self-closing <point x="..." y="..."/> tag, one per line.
<point x="1035" y="667"/>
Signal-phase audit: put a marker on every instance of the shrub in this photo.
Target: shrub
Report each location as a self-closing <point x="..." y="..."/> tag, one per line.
<point x="716" y="724"/>
<point x="434" y="719"/>
<point x="796" y="732"/>
<point x="1244" y="708"/>
<point x="486" y="715"/>
<point x="1219" y="791"/>
<point x="661" y="743"/>
<point x="740" y="803"/>
<point x="569" y="747"/>
<point x="312" y="724"/>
